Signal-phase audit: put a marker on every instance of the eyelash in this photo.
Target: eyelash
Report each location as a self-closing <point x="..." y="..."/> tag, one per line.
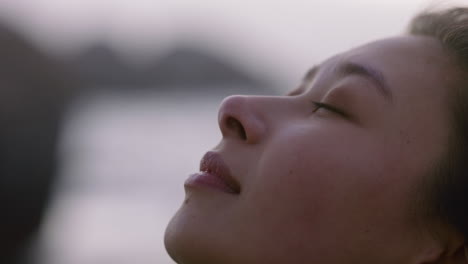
<point x="319" y="105"/>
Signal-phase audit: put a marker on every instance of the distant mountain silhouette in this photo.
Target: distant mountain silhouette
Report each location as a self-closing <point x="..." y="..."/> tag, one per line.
<point x="184" y="67"/>
<point x="100" y="65"/>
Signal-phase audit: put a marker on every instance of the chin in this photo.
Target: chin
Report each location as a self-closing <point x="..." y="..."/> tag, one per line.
<point x="177" y="238"/>
<point x="187" y="243"/>
<point x="170" y="239"/>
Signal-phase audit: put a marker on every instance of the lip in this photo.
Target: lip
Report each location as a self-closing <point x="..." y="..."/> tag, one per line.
<point x="215" y="174"/>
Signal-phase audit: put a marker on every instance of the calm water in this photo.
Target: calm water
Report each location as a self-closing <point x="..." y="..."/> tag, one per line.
<point x="124" y="160"/>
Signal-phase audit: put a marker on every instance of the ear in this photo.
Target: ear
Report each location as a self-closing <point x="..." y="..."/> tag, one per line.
<point x="460" y="256"/>
<point x="465" y="253"/>
<point x="444" y="249"/>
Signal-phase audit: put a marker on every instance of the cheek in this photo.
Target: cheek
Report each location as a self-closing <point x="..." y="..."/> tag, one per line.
<point x="316" y="179"/>
<point x="295" y="176"/>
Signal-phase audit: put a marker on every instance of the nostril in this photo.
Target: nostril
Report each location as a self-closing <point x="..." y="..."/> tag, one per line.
<point x="235" y="125"/>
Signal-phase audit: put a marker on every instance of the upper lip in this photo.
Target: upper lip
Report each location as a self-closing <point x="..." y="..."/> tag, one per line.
<point x="214" y="164"/>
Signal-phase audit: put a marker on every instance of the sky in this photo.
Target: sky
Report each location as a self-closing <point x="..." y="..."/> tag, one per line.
<point x="266" y="36"/>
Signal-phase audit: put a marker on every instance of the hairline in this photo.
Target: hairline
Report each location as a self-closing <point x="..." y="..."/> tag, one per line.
<point x="429" y="206"/>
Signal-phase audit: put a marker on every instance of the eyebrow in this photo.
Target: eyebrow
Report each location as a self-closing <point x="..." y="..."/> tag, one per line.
<point x="353" y="68"/>
<point x="369" y="73"/>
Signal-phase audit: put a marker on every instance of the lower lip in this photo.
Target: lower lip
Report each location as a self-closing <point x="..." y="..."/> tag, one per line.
<point x="206" y="179"/>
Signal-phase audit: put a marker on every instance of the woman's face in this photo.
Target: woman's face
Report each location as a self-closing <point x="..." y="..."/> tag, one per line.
<point x="323" y="184"/>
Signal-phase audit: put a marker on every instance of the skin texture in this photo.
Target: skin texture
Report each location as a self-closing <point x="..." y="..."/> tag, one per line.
<point x="318" y="186"/>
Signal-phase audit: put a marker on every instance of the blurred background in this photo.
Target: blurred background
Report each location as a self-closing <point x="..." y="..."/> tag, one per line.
<point x="143" y="81"/>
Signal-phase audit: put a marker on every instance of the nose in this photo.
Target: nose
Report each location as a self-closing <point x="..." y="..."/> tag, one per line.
<point x="237" y="119"/>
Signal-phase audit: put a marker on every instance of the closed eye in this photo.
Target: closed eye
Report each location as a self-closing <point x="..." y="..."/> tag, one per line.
<point x="319" y="105"/>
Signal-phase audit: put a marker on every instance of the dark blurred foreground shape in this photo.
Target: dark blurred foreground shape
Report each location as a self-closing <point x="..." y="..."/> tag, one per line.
<point x="33" y="94"/>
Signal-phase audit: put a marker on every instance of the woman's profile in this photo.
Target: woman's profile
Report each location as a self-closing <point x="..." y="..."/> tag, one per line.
<point x="365" y="162"/>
